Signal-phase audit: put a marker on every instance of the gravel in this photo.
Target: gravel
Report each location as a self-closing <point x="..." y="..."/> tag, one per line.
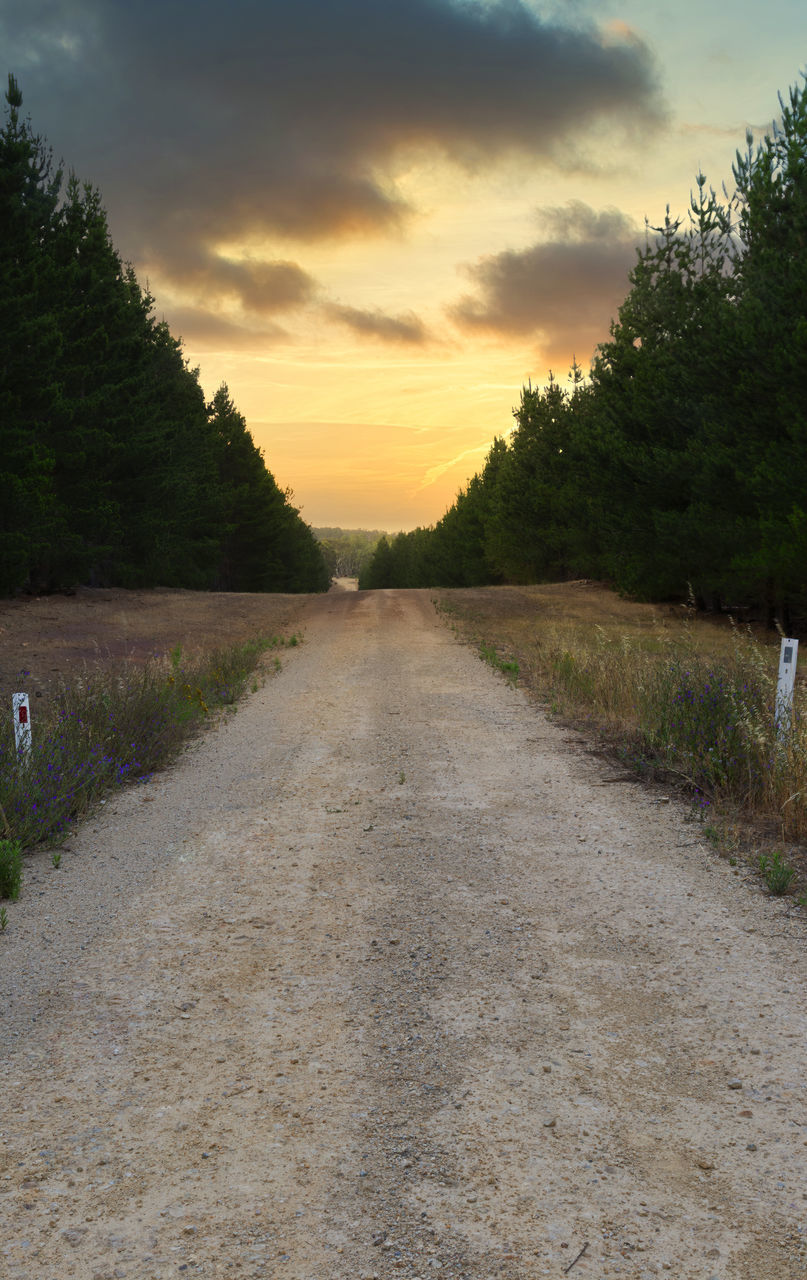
<point x="378" y="981"/>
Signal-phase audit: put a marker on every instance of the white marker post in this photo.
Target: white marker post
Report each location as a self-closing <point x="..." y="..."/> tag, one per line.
<point x="783" y="714"/>
<point x="22" y="723"/>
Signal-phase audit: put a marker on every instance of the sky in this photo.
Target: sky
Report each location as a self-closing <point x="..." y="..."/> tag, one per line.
<point x="376" y="220"/>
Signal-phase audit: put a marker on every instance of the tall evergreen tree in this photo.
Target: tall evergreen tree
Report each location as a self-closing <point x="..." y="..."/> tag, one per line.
<point x="265" y="545"/>
<point x="92" y="412"/>
<point x="771" y="401"/>
<point x="656" y="387"/>
<point x="164" y="482"/>
<point x="30" y="518"/>
<point x="527" y="529"/>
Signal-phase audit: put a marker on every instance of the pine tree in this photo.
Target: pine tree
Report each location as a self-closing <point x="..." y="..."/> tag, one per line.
<point x="31" y="521"/>
<point x="771" y="386"/>
<point x="266" y="546"/>
<point x="527" y="530"/>
<point x="165" y="478"/>
<point x="94" y="376"/>
<point x="657" y="400"/>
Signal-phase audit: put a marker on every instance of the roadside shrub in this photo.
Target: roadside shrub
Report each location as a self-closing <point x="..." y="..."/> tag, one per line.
<point x="709" y="721"/>
<point x="710" y="725"/>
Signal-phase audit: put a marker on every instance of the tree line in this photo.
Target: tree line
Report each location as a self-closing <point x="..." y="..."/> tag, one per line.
<point x="113" y="468"/>
<point x="347" y="552"/>
<point x="678" y="466"/>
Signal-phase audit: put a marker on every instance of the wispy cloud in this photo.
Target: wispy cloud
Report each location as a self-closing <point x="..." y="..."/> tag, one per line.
<point x="732" y="133"/>
<point x="206" y="329"/>
<point x="434" y="473"/>
<point x="407" y="328"/>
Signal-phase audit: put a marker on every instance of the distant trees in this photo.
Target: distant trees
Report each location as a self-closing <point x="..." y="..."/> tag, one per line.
<point x="347" y="551"/>
<point x="113" y="469"/>
<point x="680" y="464"/>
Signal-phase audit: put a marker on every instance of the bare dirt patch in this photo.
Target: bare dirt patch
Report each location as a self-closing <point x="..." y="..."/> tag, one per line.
<point x="390" y="980"/>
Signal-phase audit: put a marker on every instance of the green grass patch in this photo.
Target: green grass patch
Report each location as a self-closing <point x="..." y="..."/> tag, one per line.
<point x="776" y="873"/>
<point x="507" y="666"/>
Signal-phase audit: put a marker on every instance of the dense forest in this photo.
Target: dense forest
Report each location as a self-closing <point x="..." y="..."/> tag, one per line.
<point x="678" y="466"/>
<point x="113" y="468"/>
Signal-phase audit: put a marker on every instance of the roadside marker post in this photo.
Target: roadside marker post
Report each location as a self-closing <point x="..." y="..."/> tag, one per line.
<point x="22" y="723"/>
<point x="783" y="715"/>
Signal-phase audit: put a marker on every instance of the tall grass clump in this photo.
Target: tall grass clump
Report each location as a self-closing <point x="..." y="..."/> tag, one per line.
<point x="109" y="728"/>
<point x="712" y="724"/>
<point x="776" y="873"/>
<point x="708" y="721"/>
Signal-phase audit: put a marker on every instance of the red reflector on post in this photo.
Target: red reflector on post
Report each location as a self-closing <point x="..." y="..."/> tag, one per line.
<point x="21" y="719"/>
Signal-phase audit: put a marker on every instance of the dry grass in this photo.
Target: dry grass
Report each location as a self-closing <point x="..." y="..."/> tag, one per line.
<point x="672" y="694"/>
<point x="529" y="615"/>
<point x="111" y="727"/>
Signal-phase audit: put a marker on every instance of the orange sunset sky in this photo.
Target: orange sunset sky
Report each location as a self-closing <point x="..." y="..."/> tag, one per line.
<point x="376" y="219"/>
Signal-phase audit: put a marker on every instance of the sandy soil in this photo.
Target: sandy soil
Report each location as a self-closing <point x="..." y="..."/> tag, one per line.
<point x="388" y="979"/>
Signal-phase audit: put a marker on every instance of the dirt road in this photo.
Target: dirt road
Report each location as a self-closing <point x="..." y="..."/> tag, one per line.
<point x="386" y="978"/>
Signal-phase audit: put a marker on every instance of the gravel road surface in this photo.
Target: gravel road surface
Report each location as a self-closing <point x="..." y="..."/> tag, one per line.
<point x="388" y="978"/>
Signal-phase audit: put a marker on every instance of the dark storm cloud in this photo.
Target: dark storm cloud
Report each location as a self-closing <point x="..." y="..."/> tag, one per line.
<point x="201" y="121"/>
<point x="564" y="289"/>
<point x="405" y="328"/>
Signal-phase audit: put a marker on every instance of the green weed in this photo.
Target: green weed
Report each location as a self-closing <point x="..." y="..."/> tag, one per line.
<point x="507" y="667"/>
<point x="3" y="919"/>
<point x="776" y="873"/>
<point x="10" y="869"/>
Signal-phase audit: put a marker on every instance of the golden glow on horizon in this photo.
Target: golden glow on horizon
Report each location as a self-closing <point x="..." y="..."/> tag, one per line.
<point x="380" y="434"/>
<point x="389" y="226"/>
